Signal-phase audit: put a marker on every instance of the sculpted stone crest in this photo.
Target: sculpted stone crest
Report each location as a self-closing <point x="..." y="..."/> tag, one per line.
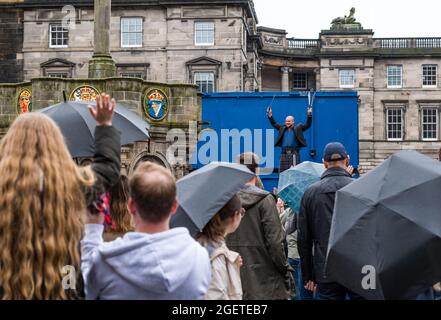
<point x="273" y="40"/>
<point x="339" y="42"/>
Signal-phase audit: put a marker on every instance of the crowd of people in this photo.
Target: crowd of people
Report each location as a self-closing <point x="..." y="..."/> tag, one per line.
<point x="115" y="230"/>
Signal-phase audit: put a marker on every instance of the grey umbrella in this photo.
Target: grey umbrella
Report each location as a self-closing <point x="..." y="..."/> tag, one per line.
<point x="385" y="240"/>
<point x="204" y="192"/>
<point x="78" y="126"/>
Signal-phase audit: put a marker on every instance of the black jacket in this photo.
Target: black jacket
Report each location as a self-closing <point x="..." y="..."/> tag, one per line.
<point x="106" y="163"/>
<point x="314" y="222"/>
<point x="298" y="129"/>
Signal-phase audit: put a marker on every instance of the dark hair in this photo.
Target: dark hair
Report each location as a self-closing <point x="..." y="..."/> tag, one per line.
<point x="215" y="228"/>
<point x="153" y="190"/>
<point x="250" y="160"/>
<point x="119" y="196"/>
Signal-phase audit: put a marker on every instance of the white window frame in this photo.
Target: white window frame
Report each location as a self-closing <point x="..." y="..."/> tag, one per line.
<point x="53" y="74"/>
<point x="196" y="30"/>
<point x="342" y="85"/>
<point x="401" y="76"/>
<point x="122" y="32"/>
<point x="306" y="80"/>
<point x="197" y="73"/>
<point x="50" y="35"/>
<point x="436" y="76"/>
<point x="436" y="109"/>
<point x="390" y="108"/>
<point x="133" y="74"/>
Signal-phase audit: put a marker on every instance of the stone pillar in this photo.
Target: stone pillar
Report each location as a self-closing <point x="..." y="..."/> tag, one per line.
<point x="285" y="78"/>
<point x="102" y="64"/>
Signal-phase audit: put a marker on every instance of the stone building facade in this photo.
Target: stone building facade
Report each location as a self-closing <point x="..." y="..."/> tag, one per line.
<point x="209" y="43"/>
<point x="184" y="103"/>
<point x="216" y="45"/>
<point x="397" y="79"/>
<point x="11" y="41"/>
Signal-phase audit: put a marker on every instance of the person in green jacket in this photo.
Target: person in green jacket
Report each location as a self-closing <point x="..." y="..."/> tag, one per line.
<point x="259" y="241"/>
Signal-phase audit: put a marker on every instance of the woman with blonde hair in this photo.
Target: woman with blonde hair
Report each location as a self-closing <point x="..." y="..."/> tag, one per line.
<point x="43" y="197"/>
<point x="225" y="264"/>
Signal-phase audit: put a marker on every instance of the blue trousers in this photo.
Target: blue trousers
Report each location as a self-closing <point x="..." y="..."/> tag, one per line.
<point x="301" y="292"/>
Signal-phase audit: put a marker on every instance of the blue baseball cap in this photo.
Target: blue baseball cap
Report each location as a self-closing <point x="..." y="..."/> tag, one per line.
<point x="334" y="151"/>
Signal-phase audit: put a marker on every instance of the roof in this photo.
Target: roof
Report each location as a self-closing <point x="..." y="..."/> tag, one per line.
<point x="249" y="4"/>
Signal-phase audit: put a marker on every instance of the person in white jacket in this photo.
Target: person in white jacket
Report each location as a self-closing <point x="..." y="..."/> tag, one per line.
<point x="152" y="263"/>
<point x="225" y="264"/>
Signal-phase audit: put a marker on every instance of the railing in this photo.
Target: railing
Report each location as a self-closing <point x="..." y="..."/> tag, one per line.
<point x="303" y="44"/>
<point x="381" y="43"/>
<point x="428" y="42"/>
<point x="408" y="43"/>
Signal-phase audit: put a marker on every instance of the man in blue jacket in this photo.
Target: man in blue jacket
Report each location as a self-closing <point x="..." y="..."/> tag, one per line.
<point x="290" y="139"/>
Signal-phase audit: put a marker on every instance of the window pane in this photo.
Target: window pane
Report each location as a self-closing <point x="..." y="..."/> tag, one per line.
<point x="133" y="75"/>
<point x="300" y="80"/>
<point x="204" y="33"/>
<point x="205" y="81"/>
<point x="57" y="74"/>
<point x="394" y="124"/>
<point x="394" y="76"/>
<point x="131" y="32"/>
<point x="58" y="36"/>
<point x="430" y="75"/>
<point x="347" y="78"/>
<point x="430" y="123"/>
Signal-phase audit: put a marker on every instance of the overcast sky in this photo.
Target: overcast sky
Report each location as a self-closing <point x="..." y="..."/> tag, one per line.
<point x="387" y="18"/>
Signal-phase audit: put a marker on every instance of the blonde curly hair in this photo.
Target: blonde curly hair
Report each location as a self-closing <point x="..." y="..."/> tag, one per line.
<point x="41" y="206"/>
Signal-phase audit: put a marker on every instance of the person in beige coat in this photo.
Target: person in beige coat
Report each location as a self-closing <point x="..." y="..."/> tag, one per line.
<point x="225" y="264"/>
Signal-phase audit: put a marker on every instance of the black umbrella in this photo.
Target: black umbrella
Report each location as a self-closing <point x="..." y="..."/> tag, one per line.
<point x="78" y="126"/>
<point x="204" y="192"/>
<point x="385" y="240"/>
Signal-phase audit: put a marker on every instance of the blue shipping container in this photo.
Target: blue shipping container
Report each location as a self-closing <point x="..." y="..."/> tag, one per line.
<point x="335" y="118"/>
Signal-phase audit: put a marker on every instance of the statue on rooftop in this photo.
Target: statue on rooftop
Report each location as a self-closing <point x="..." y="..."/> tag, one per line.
<point x="346" y="20"/>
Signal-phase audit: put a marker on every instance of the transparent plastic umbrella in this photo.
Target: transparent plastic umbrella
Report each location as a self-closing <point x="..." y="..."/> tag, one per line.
<point x="294" y="181"/>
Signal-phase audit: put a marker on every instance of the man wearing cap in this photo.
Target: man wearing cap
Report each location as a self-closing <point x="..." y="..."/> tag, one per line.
<point x="290" y="139"/>
<point x="314" y="224"/>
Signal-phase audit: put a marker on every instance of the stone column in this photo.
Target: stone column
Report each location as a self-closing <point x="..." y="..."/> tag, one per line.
<point x="285" y="78"/>
<point x="102" y="64"/>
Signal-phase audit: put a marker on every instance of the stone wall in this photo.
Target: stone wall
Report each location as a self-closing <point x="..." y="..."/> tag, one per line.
<point x="374" y="96"/>
<point x="184" y="109"/>
<point x="168" y="43"/>
<point x="8" y="103"/>
<point x="11" y="43"/>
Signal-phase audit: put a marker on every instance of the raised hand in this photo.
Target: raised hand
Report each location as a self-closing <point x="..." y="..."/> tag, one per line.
<point x="94" y="218"/>
<point x="269" y="112"/>
<point x="105" y="108"/>
<point x="309" y="111"/>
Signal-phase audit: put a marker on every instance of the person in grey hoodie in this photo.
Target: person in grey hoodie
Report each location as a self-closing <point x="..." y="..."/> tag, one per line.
<point x="152" y="263"/>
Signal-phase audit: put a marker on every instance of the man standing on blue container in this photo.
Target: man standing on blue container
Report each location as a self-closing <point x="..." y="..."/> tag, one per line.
<point x="290" y="139"/>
